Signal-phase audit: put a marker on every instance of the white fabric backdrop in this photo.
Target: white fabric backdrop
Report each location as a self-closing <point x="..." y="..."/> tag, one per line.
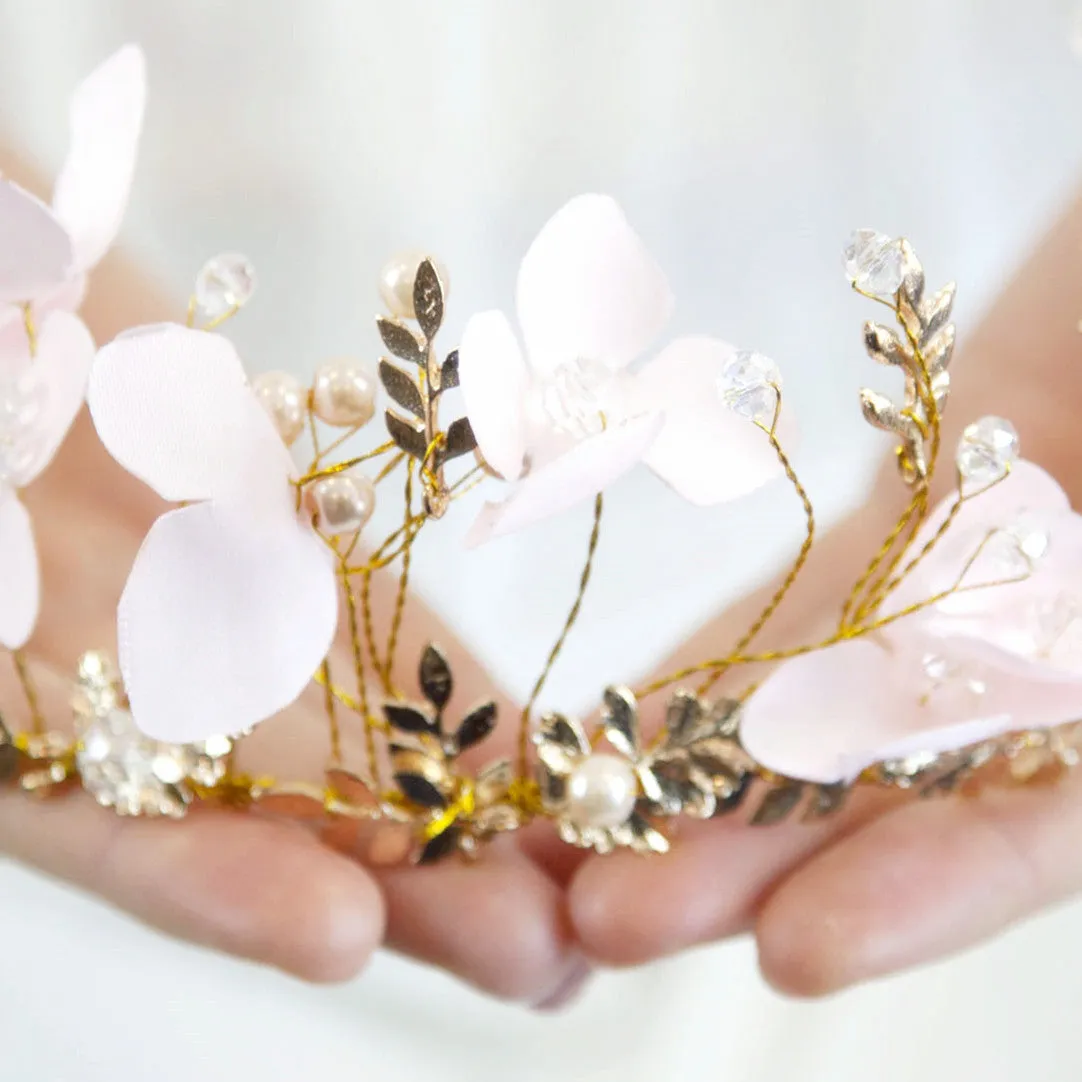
<point x="745" y="140"/>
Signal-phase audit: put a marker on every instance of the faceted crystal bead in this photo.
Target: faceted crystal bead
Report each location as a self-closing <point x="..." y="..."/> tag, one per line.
<point x="123" y="769"/>
<point x="224" y="284"/>
<point x="747" y="385"/>
<point x="987" y="449"/>
<point x="873" y="262"/>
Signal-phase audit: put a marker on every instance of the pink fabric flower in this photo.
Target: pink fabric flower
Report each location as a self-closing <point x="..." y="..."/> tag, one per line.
<point x="565" y="418"/>
<point x="231" y="603"/>
<point x="976" y="665"/>
<point x="48" y="267"/>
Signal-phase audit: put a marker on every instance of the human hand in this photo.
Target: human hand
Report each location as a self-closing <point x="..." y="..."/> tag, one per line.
<point x="888" y="883"/>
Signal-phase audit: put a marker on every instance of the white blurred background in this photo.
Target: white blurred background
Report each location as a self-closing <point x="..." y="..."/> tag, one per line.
<point x="745" y="140"/>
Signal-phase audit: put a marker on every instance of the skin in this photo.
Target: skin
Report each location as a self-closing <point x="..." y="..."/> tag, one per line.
<point x="884" y="886"/>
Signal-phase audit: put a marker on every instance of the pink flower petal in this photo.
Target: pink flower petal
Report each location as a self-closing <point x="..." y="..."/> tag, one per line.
<point x="588" y="468"/>
<point x="588" y="289"/>
<point x="106" y="119"/>
<point x="56" y="377"/>
<point x="223" y="621"/>
<point x="36" y="255"/>
<point x="494" y="380"/>
<point x="706" y="452"/>
<point x="20" y="584"/>
<point x="172" y="406"/>
<point x="826" y="716"/>
<point x="1027" y="493"/>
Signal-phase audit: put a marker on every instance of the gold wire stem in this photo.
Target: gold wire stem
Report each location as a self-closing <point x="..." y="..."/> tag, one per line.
<point x="370" y="726"/>
<point x="389" y="468"/>
<point x="331" y="706"/>
<point x="30" y="692"/>
<point x="842" y="635"/>
<point x="403" y="585"/>
<point x="31" y="330"/>
<point x="341" y="467"/>
<point x="569" y="623"/>
<point x="802" y="558"/>
<point x="369" y="627"/>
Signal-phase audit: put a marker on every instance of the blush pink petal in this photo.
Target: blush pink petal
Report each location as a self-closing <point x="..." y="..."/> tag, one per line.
<point x="20" y="585"/>
<point x="1027" y="491"/>
<point x="106" y="120"/>
<point x="573" y="477"/>
<point x="705" y="451"/>
<point x="173" y="407"/>
<point x="826" y="716"/>
<point x="589" y="290"/>
<point x="58" y="373"/>
<point x="225" y="617"/>
<point x="36" y="255"/>
<point x="495" y="381"/>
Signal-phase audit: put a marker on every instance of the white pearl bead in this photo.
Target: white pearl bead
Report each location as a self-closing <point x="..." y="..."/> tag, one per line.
<point x="344" y="502"/>
<point x="396" y="282"/>
<point x="343" y="395"/>
<point x="285" y="400"/>
<point x="601" y="792"/>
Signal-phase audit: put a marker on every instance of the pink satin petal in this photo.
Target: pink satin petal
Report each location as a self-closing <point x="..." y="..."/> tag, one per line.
<point x="91" y="193"/>
<point x="20" y="583"/>
<point x="223" y="621"/>
<point x="494" y="380"/>
<point x="826" y="716"/>
<point x="57" y="378"/>
<point x="705" y="451"/>
<point x="1027" y="491"/>
<point x="172" y="406"/>
<point x="580" y="473"/>
<point x="589" y="290"/>
<point x="36" y="254"/>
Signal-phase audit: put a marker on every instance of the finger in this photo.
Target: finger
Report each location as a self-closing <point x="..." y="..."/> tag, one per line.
<point x="628" y="909"/>
<point x="499" y="924"/>
<point x="926" y="880"/>
<point x="261" y="890"/>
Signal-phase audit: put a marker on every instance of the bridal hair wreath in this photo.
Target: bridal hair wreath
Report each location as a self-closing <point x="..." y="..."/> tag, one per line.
<point x="956" y="656"/>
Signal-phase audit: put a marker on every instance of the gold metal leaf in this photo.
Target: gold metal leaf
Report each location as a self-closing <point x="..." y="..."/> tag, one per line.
<point x="778" y="804"/>
<point x="407" y="718"/>
<point x="937" y="312"/>
<point x="449" y="372"/>
<point x="408" y="438"/>
<point x="435" y="677"/>
<point x="884" y="346"/>
<point x="883" y="413"/>
<point x="423" y="779"/>
<point x="940" y="349"/>
<point x="401" y="388"/>
<point x="428" y="299"/>
<point x="561" y="743"/>
<point x="441" y="846"/>
<point x="401" y="341"/>
<point x="476" y="726"/>
<point x="494" y="782"/>
<point x="458" y="441"/>
<point x="620" y="715"/>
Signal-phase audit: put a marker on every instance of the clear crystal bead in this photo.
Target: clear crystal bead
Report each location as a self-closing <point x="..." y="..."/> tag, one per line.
<point x="126" y="770"/>
<point x="573" y="398"/>
<point x="224" y="284"/>
<point x="873" y="262"/>
<point x="747" y="385"/>
<point x="987" y="449"/>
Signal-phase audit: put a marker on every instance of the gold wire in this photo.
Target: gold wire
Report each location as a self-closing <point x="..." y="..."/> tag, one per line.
<point x="22" y="670"/>
<point x="370" y="726"/>
<point x="330" y="706"/>
<point x="569" y="623"/>
<point x="798" y="565"/>
<point x="340" y="467"/>
<point x="403" y="587"/>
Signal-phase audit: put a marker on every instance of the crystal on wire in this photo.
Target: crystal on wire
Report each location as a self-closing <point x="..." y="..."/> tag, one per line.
<point x="224" y="284"/>
<point x="748" y="385"/>
<point x="874" y="263"/>
<point x="986" y="451"/>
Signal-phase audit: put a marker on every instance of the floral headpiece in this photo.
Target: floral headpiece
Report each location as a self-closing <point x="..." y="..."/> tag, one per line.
<point x="956" y="656"/>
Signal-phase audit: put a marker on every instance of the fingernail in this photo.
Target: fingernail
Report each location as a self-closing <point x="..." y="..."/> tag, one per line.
<point x="568" y="990"/>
